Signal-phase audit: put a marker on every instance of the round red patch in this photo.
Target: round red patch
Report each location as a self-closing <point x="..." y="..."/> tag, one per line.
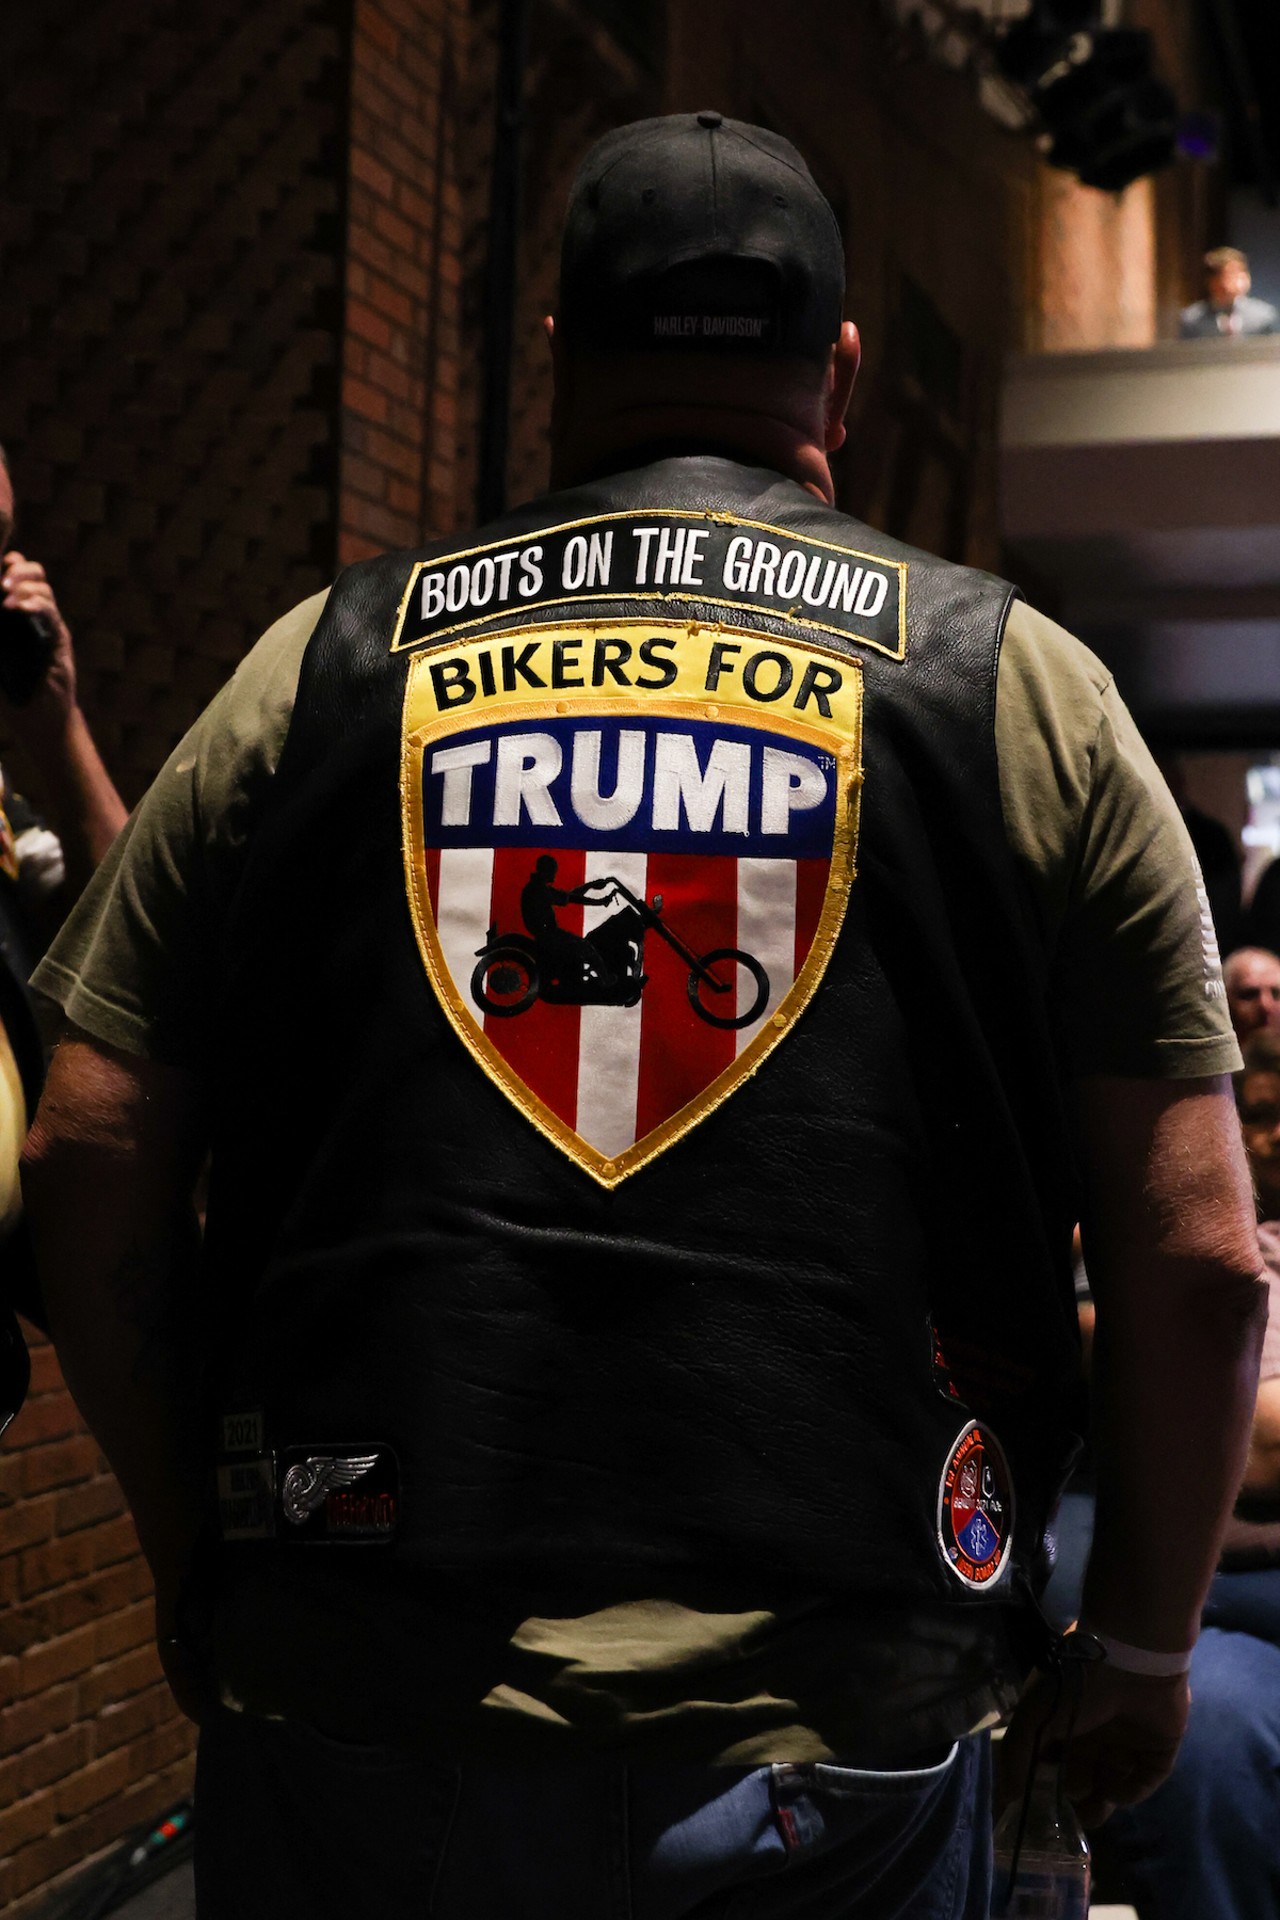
<point x="975" y="1507"/>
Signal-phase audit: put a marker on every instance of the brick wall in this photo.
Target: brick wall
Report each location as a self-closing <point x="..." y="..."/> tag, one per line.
<point x="168" y="334"/>
<point x="91" y="1745"/>
<point x="583" y="75"/>
<point x="401" y="365"/>
<point x="582" y="80"/>
<point x="215" y="215"/>
<point x="169" y="356"/>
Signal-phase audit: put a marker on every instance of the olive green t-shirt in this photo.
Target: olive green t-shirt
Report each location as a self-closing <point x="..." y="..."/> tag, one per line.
<point x="1136" y="991"/>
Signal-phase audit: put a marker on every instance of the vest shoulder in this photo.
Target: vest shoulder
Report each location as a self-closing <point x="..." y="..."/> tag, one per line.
<point x="702" y="531"/>
<point x="700" y="484"/>
<point x="950" y="577"/>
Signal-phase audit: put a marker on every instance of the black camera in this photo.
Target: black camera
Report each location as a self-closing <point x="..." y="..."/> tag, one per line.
<point x="27" y="641"/>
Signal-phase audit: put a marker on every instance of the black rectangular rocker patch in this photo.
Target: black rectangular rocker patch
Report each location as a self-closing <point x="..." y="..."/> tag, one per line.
<point x="662" y="556"/>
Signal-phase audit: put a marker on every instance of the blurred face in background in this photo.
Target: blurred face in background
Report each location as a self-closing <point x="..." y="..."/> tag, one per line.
<point x="1253" y="992"/>
<point x="1228" y="283"/>
<point x="1260" y="1123"/>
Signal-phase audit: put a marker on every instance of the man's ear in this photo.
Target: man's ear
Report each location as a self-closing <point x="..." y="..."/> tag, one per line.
<point x="846" y="358"/>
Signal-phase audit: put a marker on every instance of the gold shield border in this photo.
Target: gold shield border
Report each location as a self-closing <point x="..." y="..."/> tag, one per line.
<point x="843" y="871"/>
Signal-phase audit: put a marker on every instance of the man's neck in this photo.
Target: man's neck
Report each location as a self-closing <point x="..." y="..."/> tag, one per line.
<point x="659" y="433"/>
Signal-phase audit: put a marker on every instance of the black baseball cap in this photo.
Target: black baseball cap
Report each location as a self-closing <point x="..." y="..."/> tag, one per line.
<point x="699" y="232"/>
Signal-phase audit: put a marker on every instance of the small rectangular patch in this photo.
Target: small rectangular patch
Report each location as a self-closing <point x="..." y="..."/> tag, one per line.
<point x="669" y="558"/>
<point x="338" y="1496"/>
<point x="243" y="1432"/>
<point x="247" y="1498"/>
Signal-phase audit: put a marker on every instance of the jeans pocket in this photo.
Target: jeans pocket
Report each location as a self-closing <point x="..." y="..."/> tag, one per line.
<point x="863" y="1841"/>
<point x="830" y="1778"/>
<point x="819" y="1803"/>
<point x="293" y="1821"/>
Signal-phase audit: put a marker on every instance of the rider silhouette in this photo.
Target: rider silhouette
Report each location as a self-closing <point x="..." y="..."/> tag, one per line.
<point x="563" y="953"/>
<point x="612" y="950"/>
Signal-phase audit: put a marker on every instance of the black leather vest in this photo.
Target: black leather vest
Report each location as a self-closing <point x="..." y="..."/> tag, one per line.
<point x="786" y="1296"/>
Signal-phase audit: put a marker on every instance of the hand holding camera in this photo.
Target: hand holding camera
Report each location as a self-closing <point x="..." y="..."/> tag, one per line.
<point x="35" y="646"/>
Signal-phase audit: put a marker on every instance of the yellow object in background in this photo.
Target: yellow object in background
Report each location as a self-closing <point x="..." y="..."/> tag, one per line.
<point x="13" y="1131"/>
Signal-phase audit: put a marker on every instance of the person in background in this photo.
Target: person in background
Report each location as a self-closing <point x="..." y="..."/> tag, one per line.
<point x="1228" y="308"/>
<point x="45" y="863"/>
<point x="1262" y="921"/>
<point x="1206" y="1845"/>
<point x="1251" y="976"/>
<point x="76" y="795"/>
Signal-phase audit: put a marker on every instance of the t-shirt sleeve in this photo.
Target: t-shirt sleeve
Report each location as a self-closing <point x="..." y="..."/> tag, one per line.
<point x="132" y="964"/>
<point x="1135" y="981"/>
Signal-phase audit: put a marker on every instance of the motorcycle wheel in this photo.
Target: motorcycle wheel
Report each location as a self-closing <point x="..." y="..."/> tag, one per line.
<point x="704" y="1009"/>
<point x="505" y="982"/>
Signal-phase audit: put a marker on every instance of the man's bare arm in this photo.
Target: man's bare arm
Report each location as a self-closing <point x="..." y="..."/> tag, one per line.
<point x="1172" y="1254"/>
<point x="108" y="1174"/>
<point x="1174" y="1266"/>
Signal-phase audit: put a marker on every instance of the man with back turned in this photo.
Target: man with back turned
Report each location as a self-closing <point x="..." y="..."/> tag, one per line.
<point x="602" y="1459"/>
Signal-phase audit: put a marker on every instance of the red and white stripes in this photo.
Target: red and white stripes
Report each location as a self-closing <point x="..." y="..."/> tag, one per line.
<point x="613" y="1074"/>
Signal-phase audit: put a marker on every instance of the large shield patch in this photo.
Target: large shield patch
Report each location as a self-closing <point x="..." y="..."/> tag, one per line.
<point x="628" y="848"/>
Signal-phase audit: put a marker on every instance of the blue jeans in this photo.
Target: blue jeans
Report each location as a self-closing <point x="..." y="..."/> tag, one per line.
<point x="1206" y="1846"/>
<point x="1072" y="1532"/>
<point x="291" y="1823"/>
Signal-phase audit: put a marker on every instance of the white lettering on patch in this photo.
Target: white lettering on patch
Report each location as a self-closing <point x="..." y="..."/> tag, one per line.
<point x="792" y="784"/>
<point x="457" y="764"/>
<point x="527" y="764"/>
<point x="679" y="783"/>
<point x="537" y="782"/>
<point x="606" y="813"/>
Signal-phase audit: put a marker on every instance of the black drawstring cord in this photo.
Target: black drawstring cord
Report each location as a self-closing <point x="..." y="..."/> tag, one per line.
<point x="1067" y="1656"/>
<point x="1025" y="1810"/>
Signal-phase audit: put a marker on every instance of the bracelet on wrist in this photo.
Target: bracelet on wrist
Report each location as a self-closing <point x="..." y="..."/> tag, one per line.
<point x="1140" y="1660"/>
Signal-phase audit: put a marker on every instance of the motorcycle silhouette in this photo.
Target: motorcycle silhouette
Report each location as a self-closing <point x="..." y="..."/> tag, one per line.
<point x="513" y="970"/>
